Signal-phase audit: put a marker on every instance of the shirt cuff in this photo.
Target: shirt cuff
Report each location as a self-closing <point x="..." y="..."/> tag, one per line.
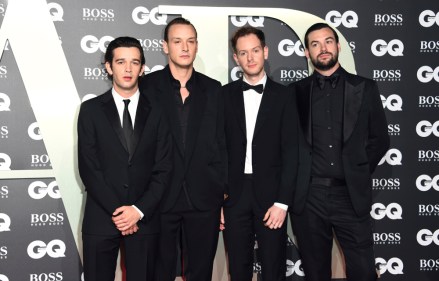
<point x="140" y="212"/>
<point x="282" y="206"/>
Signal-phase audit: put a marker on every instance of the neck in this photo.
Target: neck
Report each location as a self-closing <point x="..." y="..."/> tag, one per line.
<point x="181" y="74"/>
<point x="253" y="79"/>
<point x="125" y="93"/>
<point x="329" y="71"/>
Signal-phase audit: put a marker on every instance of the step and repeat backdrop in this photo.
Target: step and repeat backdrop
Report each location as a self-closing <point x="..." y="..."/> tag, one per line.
<point x="51" y="61"/>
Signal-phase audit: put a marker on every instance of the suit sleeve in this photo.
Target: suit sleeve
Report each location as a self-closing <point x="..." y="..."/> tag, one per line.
<point x="88" y="162"/>
<point x="221" y="138"/>
<point x="378" y="138"/>
<point x="290" y="153"/>
<point x="161" y="171"/>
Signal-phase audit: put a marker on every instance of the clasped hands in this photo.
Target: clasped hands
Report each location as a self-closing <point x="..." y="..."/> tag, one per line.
<point x="125" y="219"/>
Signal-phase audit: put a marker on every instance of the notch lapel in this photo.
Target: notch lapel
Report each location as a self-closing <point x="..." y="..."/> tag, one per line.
<point x="304" y="101"/>
<point x="238" y="106"/>
<point x="353" y="97"/>
<point x="143" y="110"/>
<point x="110" y="110"/>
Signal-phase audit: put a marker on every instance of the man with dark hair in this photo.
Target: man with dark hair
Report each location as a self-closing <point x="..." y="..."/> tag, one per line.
<point x="190" y="209"/>
<point x="343" y="137"/>
<point x="124" y="160"/>
<point x="261" y="138"/>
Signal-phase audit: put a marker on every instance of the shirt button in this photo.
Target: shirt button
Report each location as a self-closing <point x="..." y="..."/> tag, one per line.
<point x="329" y="127"/>
<point x="332" y="164"/>
<point x="330" y="146"/>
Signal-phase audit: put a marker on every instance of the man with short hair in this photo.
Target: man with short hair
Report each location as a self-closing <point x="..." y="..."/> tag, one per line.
<point x="343" y="137"/>
<point x="124" y="160"/>
<point x="261" y="137"/>
<point x="190" y="209"/>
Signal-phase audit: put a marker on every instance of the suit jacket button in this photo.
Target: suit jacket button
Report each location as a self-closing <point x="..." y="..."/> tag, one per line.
<point x="125" y="186"/>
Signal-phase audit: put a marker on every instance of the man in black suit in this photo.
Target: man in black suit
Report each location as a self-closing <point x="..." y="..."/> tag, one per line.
<point x="191" y="206"/>
<point x="261" y="137"/>
<point x="124" y="159"/>
<point x="344" y="136"/>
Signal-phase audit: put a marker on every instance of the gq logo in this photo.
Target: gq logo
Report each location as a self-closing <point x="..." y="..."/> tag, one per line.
<point x="154" y="68"/>
<point x="294" y="268"/>
<point x="54" y="249"/>
<point x="428" y="18"/>
<point x="5" y="222"/>
<point x="88" y="97"/>
<point x="426" y="74"/>
<point x="393" y="211"/>
<point x="425" y="128"/>
<point x="394" y="48"/>
<point x="56" y="11"/>
<point x="5" y="102"/>
<point x="348" y="19"/>
<point x="5" y="162"/>
<point x="91" y="44"/>
<point x="3" y="277"/>
<point x="392" y="102"/>
<point x="252" y="21"/>
<point x="236" y="73"/>
<point x="287" y="47"/>
<point x="393" y="157"/>
<point x="425" y="182"/>
<point x="141" y="15"/>
<point x="38" y="190"/>
<point x="393" y="266"/>
<point x="34" y="131"/>
<point x="425" y="237"/>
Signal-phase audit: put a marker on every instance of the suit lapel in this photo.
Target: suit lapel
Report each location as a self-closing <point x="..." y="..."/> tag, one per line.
<point x="353" y="96"/>
<point x="198" y="105"/>
<point x="142" y="113"/>
<point x="110" y="110"/>
<point x="304" y="100"/>
<point x="268" y="98"/>
<point x="238" y="105"/>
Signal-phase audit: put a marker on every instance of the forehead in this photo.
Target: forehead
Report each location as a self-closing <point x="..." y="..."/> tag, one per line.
<point x="249" y="41"/>
<point x="181" y="31"/>
<point x="320" y="34"/>
<point x="126" y="53"/>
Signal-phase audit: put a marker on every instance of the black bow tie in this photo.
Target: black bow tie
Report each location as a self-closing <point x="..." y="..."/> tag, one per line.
<point x="258" y="88"/>
<point x="333" y="79"/>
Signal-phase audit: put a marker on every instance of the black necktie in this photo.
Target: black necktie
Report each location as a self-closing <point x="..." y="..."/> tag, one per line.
<point x="258" y="88"/>
<point x="333" y="79"/>
<point x="127" y="125"/>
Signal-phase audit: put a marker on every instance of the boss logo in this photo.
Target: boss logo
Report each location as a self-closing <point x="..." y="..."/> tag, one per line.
<point x="252" y="21"/>
<point x="426" y="237"/>
<point x="287" y="47"/>
<point x="56" y="11"/>
<point x="3" y="71"/>
<point x="428" y="155"/>
<point x="426" y="74"/>
<point x="3" y="252"/>
<point x="38" y="190"/>
<point x="394" y="266"/>
<point x="257" y="268"/>
<point x="394" y="48"/>
<point x="40" y="160"/>
<point x="425" y="182"/>
<point x="142" y="15"/>
<point x="428" y="18"/>
<point x="394" y="129"/>
<point x="429" y="46"/>
<point x="390" y="184"/>
<point x="352" y="46"/>
<point x="4" y="132"/>
<point x="428" y="210"/>
<point x="98" y="14"/>
<point x="54" y="249"/>
<point x="44" y="218"/>
<point x="4" y="191"/>
<point x="52" y="276"/>
<point x="293" y="74"/>
<point x="95" y="73"/>
<point x="393" y="157"/>
<point x="151" y="44"/>
<point x="348" y="19"/>
<point x="387" y="75"/>
<point x="428" y="264"/>
<point x="426" y="128"/>
<point x="388" y="19"/>
<point x="392" y="102"/>
<point x="294" y="268"/>
<point x="428" y="101"/>
<point x="91" y="44"/>
<point x="387" y="238"/>
<point x="393" y="211"/>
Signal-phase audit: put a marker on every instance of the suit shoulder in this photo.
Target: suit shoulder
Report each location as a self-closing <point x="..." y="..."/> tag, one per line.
<point x="96" y="101"/>
<point x="206" y="80"/>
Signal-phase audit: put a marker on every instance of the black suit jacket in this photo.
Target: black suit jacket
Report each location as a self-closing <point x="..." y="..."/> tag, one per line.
<point x="274" y="144"/>
<point x="365" y="138"/>
<point x="200" y="165"/>
<point x="111" y="176"/>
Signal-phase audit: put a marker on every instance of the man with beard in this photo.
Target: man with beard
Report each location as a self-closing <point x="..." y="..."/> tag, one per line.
<point x="343" y="137"/>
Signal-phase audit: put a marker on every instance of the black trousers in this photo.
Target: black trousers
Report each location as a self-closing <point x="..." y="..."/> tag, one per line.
<point x="100" y="256"/>
<point x="329" y="210"/>
<point x="197" y="234"/>
<point x="243" y="221"/>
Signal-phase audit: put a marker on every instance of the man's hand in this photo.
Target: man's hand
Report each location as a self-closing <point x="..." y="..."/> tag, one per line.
<point x="130" y="230"/>
<point x="275" y="217"/>
<point x="222" y="222"/>
<point x="125" y="217"/>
